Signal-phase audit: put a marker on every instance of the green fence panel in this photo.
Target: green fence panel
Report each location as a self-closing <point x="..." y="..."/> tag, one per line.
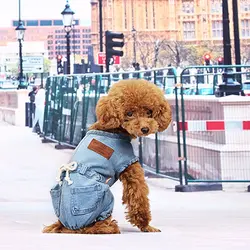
<point x="70" y="110"/>
<point x="215" y="143"/>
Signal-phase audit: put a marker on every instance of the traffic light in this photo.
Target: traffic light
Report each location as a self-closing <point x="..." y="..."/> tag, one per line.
<point x="207" y="58"/>
<point x="220" y="60"/>
<point x="113" y="40"/>
<point x="59" y="64"/>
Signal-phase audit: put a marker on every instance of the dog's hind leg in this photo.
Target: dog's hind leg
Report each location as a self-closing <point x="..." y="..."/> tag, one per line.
<point x="107" y="226"/>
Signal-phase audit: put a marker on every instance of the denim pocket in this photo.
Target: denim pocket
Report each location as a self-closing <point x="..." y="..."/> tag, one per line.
<point x="85" y="199"/>
<point x="55" y="193"/>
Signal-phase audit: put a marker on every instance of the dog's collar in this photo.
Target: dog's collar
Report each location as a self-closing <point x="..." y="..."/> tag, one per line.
<point x="109" y="134"/>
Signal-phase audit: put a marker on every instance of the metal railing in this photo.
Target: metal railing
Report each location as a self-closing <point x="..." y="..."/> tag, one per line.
<point x="70" y="110"/>
<point x="210" y="154"/>
<point x="177" y="153"/>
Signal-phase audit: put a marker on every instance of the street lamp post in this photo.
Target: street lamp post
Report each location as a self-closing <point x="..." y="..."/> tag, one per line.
<point x="100" y="30"/>
<point x="20" y="30"/>
<point x="226" y="34"/>
<point x="68" y="22"/>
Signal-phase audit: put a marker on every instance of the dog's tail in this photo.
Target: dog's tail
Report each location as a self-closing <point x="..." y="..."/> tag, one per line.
<point x="107" y="226"/>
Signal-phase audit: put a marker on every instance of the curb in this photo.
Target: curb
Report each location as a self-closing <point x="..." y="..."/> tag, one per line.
<point x="199" y="187"/>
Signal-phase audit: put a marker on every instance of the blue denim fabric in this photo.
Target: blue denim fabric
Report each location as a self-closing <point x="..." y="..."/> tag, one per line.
<point x="88" y="198"/>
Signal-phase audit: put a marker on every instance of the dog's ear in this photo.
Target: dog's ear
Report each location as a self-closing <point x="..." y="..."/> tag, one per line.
<point x="107" y="112"/>
<point x="163" y="115"/>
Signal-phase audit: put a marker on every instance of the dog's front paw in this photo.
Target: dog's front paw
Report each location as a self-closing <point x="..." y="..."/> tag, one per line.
<point x="150" y="229"/>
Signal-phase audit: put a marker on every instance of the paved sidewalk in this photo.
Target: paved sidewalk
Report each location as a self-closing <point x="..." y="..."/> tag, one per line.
<point x="210" y="220"/>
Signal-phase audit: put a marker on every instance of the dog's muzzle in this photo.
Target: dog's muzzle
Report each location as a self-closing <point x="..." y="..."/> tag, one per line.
<point x="145" y="130"/>
<point x="141" y="126"/>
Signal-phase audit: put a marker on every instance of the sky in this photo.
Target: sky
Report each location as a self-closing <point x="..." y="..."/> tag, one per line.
<point x="43" y="9"/>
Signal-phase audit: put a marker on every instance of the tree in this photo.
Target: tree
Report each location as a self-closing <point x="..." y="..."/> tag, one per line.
<point x="46" y="65"/>
<point x="157" y="51"/>
<point x="147" y="48"/>
<point x="126" y="62"/>
<point x="245" y="54"/>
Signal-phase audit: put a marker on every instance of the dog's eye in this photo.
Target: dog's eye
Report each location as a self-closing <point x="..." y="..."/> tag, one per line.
<point x="130" y="113"/>
<point x="149" y="112"/>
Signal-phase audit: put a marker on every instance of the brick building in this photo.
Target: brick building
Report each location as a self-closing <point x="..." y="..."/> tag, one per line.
<point x="52" y="33"/>
<point x="191" y="21"/>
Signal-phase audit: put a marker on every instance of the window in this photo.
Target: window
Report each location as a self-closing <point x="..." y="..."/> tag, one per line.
<point x="50" y="42"/>
<point x="125" y="14"/>
<point x="15" y="23"/>
<point x="245" y="28"/>
<point x="58" y="22"/>
<point x="146" y="12"/>
<point x="76" y="41"/>
<point x="46" y="23"/>
<point x="86" y="41"/>
<point x="32" y="23"/>
<point x="245" y="5"/>
<point x="217" y="29"/>
<point x="76" y="36"/>
<point x="216" y="6"/>
<point x="188" y="6"/>
<point x="154" y="22"/>
<point x="188" y="30"/>
<point x="76" y="22"/>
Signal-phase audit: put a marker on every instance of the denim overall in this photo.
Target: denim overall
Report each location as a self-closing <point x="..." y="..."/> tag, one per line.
<point x="83" y="194"/>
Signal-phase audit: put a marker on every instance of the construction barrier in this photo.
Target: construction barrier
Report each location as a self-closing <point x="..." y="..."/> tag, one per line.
<point x="214" y="132"/>
<point x="208" y="142"/>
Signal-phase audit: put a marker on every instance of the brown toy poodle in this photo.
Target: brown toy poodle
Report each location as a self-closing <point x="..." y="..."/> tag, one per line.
<point x="82" y="199"/>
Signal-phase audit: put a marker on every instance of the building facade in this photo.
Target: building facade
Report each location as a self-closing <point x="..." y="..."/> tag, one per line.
<point x="189" y="21"/>
<point x="52" y="33"/>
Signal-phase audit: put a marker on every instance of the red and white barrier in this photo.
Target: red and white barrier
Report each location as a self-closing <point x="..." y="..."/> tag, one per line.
<point x="212" y="125"/>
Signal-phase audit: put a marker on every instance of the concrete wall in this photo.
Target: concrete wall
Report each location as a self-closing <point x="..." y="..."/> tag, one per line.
<point x="12" y="106"/>
<point x="210" y="155"/>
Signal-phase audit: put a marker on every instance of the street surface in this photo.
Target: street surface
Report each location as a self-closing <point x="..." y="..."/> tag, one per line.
<point x="210" y="220"/>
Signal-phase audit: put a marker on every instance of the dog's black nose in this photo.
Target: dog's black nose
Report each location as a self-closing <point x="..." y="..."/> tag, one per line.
<point x="145" y="130"/>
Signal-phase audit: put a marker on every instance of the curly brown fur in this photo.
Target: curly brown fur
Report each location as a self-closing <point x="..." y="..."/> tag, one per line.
<point x="133" y="107"/>
<point x="107" y="226"/>
<point x="135" y="197"/>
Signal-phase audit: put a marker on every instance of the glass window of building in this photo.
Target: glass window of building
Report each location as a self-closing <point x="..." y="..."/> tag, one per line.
<point x="188" y="6"/>
<point x="217" y="29"/>
<point x="15" y="23"/>
<point x="46" y="23"/>
<point x="58" y="22"/>
<point x="188" y="30"/>
<point x="216" y="6"/>
<point x="245" y="28"/>
<point x="244" y="5"/>
<point x="32" y="23"/>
